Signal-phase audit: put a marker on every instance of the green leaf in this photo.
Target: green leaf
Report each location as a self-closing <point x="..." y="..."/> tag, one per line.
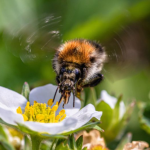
<point x="58" y="136"/>
<point x="2" y="122"/>
<point x="125" y="140"/>
<point x="144" y="116"/>
<point x="59" y="141"/>
<point x="79" y="142"/>
<point x="85" y="148"/>
<point x="63" y="147"/>
<point x="90" y="96"/>
<point x="127" y="114"/>
<point x="26" y="90"/>
<point x="107" y="114"/>
<point x="116" y="111"/>
<point x="72" y="142"/>
<point x="25" y="129"/>
<point x="45" y="145"/>
<point x="53" y="145"/>
<point x="5" y="145"/>
<point x="87" y="126"/>
<point x="112" y="132"/>
<point x="2" y="133"/>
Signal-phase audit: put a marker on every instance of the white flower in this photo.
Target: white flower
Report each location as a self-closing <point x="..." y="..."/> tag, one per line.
<point x="111" y="101"/>
<point x="10" y="101"/>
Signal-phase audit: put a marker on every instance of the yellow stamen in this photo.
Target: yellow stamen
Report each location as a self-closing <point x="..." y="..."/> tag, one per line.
<point x="58" y="117"/>
<point x="40" y="117"/>
<point x="50" y="102"/>
<point x="62" y="112"/>
<point x="25" y="117"/>
<point x="63" y="117"/>
<point x="27" y="105"/>
<point x="19" y="111"/>
<point x="55" y="107"/>
<point x="41" y="113"/>
<point x="98" y="147"/>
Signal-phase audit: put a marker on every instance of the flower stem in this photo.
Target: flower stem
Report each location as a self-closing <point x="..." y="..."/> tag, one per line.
<point x="36" y="141"/>
<point x="93" y="96"/>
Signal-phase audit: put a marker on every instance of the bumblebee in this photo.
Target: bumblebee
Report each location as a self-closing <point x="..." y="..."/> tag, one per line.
<point x="78" y="64"/>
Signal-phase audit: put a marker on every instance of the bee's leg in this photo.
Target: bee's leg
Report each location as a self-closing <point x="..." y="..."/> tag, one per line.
<point x="93" y="81"/>
<point x="57" y="79"/>
<point x="78" y="91"/>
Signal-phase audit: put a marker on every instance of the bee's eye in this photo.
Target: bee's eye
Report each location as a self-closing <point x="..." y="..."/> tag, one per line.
<point x="77" y="72"/>
<point x="62" y="70"/>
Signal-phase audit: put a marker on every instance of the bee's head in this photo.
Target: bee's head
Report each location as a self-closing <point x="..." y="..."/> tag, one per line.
<point x="68" y="78"/>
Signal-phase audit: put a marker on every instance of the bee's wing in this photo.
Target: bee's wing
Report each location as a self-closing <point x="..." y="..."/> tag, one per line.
<point x="35" y="40"/>
<point x="123" y="51"/>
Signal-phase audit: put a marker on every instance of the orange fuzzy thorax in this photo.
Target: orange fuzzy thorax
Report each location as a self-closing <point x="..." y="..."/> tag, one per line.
<point x="76" y="52"/>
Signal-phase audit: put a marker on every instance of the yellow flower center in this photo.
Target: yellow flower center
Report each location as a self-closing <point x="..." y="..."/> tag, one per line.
<point x="39" y="112"/>
<point x="98" y="147"/>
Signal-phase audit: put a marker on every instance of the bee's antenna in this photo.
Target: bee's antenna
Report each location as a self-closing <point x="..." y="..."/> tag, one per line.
<point x="55" y="94"/>
<point x="68" y="98"/>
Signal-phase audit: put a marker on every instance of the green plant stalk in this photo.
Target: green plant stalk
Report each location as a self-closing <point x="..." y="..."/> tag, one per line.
<point x="53" y="143"/>
<point x="36" y="142"/>
<point x="93" y="96"/>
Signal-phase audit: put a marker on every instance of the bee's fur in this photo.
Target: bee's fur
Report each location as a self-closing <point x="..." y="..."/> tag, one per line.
<point x="87" y="56"/>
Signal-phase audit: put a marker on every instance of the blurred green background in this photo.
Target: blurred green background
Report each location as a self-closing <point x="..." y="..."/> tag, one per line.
<point x="30" y="31"/>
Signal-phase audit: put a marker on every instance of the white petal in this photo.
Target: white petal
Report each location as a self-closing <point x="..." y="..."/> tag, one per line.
<point x="43" y="93"/>
<point x="52" y="128"/>
<point x="110" y="100"/>
<point x="122" y="109"/>
<point x="86" y="114"/>
<point x="9" y="116"/>
<point x="11" y="99"/>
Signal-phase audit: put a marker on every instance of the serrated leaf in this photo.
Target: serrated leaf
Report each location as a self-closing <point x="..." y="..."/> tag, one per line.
<point x="79" y="142"/>
<point x="107" y="114"/>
